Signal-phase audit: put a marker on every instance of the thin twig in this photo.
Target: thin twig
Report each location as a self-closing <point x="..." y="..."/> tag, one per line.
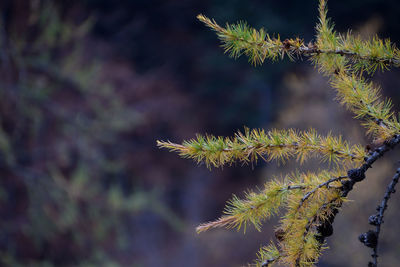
<point x="377" y="219"/>
<point x="308" y="194"/>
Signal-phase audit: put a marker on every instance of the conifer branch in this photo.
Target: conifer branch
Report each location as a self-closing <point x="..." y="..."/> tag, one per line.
<point x="320" y="227"/>
<point x="299" y="240"/>
<point x="369" y="55"/>
<point x="275" y="144"/>
<point x="335" y="55"/>
<point x="311" y="201"/>
<point x="371" y="238"/>
<point x="305" y="227"/>
<point x="238" y="39"/>
<point x="357" y="175"/>
<point x="362" y="61"/>
<point x="257" y="207"/>
<point x="365" y="55"/>
<point x="363" y="99"/>
<point x="304" y="245"/>
<point x="316" y="219"/>
<point x="359" y="96"/>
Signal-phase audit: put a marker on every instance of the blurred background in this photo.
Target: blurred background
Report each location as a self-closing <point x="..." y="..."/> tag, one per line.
<point x="86" y="89"/>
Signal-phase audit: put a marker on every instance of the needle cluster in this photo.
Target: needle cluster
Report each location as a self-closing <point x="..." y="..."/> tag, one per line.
<point x="272" y="145"/>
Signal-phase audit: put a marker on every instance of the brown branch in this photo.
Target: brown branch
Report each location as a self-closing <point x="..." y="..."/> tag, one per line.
<point x="371" y="238"/>
<point x="358" y="175"/>
<point x="308" y="194"/>
<point x="354" y="176"/>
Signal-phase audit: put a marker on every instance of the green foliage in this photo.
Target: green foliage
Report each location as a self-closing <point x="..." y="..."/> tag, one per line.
<point x="257" y="207"/>
<point x="345" y="71"/>
<point x="272" y="145"/>
<point x="309" y="200"/>
<point x="238" y="39"/>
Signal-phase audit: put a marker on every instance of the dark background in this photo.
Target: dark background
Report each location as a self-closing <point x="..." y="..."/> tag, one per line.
<point x="86" y="89"/>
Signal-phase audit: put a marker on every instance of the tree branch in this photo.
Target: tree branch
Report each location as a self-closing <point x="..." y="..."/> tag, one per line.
<point x="371" y="237"/>
<point x="308" y="194"/>
<point x="357" y="175"/>
<point x="241" y="39"/>
<point x="314" y="50"/>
